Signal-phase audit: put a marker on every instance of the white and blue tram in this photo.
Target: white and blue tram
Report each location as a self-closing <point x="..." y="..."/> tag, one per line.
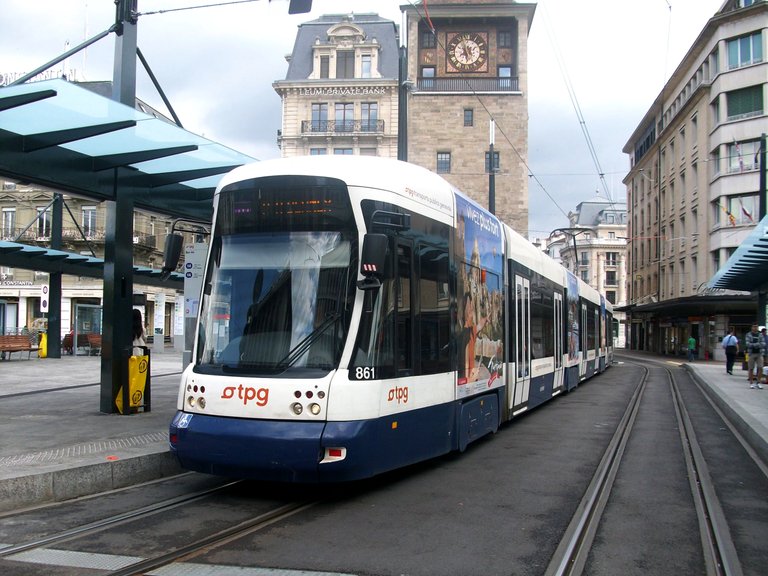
<point x="360" y="314"/>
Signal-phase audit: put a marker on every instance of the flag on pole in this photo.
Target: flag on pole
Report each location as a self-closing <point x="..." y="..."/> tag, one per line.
<point x="746" y="212"/>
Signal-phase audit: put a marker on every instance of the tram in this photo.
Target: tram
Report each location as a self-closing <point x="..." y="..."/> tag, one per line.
<point x="361" y="314"/>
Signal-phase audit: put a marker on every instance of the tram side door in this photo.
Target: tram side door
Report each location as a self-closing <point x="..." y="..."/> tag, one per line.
<point x="522" y="341"/>
<point x="584" y="341"/>
<point x="559" y="341"/>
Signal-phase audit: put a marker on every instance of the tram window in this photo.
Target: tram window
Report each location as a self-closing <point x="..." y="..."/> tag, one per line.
<point x="542" y="317"/>
<point x="404" y="312"/>
<point x="434" y="310"/>
<point x="592" y="323"/>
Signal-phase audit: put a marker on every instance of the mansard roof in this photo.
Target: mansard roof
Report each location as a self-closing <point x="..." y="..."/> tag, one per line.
<point x="374" y="27"/>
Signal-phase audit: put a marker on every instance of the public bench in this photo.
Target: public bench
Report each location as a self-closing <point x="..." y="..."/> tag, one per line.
<point x="94" y="344"/>
<point x="68" y="347"/>
<point x="15" y="343"/>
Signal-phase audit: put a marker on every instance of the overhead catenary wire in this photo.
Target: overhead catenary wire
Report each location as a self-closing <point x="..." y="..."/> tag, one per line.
<point x="576" y="106"/>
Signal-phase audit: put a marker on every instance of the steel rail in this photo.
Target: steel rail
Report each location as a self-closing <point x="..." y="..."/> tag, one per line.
<point x="99" y="525"/>
<point x="720" y="553"/>
<point x="570" y="556"/>
<point x="214" y="540"/>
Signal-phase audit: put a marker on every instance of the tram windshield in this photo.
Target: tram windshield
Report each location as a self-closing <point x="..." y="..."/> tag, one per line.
<point x="279" y="289"/>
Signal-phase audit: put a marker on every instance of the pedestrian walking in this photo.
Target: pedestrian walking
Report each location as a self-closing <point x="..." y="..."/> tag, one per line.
<point x="754" y="344"/>
<point x="691" y="348"/>
<point x="731" y="347"/>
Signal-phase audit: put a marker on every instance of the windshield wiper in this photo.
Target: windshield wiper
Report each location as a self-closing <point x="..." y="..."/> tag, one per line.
<point x="303" y="345"/>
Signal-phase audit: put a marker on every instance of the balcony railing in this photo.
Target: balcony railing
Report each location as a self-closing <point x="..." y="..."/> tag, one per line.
<point x="68" y="234"/>
<point x="342" y="126"/>
<point x="485" y="84"/>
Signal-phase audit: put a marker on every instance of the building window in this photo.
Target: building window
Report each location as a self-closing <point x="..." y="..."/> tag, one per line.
<point x="505" y="77"/>
<point x="320" y="117"/>
<point x="585" y="276"/>
<point x="325" y="64"/>
<point x="584" y="261"/>
<point x="369" y="115"/>
<point x="469" y="117"/>
<point x="610" y="278"/>
<point x="342" y="151"/>
<point x="505" y="39"/>
<point x="9" y="224"/>
<point x="610" y="295"/>
<point x="365" y="66"/>
<point x="495" y="162"/>
<point x="745" y="103"/>
<point x="345" y="64"/>
<point x="89" y="221"/>
<point x="427" y="39"/>
<point x="43" y="223"/>
<point x="743" y="156"/>
<point x="743" y="209"/>
<point x="745" y="50"/>
<point x="611" y="258"/>
<point x="318" y="151"/>
<point x="345" y="117"/>
<point x="428" y="77"/>
<point x="443" y="162"/>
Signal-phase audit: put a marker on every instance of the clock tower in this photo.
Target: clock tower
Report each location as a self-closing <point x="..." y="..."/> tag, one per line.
<point x="467" y="65"/>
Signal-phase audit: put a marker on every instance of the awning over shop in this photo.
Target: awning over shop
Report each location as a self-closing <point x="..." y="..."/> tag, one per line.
<point x="747" y="268"/>
<point x="57" y="134"/>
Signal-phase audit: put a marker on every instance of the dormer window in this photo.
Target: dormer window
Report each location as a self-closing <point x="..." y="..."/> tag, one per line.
<point x="345" y="64"/>
<point x="365" y="66"/>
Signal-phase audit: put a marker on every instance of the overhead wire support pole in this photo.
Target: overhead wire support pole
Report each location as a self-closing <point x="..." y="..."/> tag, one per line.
<point x="492" y="170"/>
<point x="64" y="56"/>
<point x="158" y="87"/>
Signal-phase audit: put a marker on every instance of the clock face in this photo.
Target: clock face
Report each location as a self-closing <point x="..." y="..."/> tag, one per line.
<point x="467" y="52"/>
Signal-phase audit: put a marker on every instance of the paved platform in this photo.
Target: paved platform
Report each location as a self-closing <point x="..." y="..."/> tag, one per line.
<point x="55" y="444"/>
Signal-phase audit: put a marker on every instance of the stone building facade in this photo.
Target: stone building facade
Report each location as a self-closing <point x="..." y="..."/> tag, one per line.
<point x="692" y="191"/>
<point x="468" y="65"/>
<point x="340" y="93"/>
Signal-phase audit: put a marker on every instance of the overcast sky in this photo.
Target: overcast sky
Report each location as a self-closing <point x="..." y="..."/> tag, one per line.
<point x="217" y="66"/>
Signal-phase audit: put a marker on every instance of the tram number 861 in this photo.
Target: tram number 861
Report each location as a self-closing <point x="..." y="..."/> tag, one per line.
<point x="365" y="373"/>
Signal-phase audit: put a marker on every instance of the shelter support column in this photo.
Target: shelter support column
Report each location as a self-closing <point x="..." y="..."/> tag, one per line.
<point x="117" y="300"/>
<point x="54" y="283"/>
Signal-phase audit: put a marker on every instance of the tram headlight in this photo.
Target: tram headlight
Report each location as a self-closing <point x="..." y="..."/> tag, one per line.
<point x="201" y="403"/>
<point x="191" y="401"/>
<point x="314" y="408"/>
<point x="297" y="408"/>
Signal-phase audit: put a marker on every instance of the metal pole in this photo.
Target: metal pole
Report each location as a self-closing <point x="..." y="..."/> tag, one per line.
<point x="64" y="56"/>
<point x="761" y="294"/>
<point x="762" y="176"/>
<point x="124" y="72"/>
<point x="402" y="94"/>
<point x="492" y="171"/>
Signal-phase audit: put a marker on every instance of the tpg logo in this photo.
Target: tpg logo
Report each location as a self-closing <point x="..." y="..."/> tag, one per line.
<point x="246" y="394"/>
<point x="398" y="394"/>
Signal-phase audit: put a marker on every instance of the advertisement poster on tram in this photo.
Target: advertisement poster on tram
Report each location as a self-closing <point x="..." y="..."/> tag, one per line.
<point x="480" y="299"/>
<point x="573" y="317"/>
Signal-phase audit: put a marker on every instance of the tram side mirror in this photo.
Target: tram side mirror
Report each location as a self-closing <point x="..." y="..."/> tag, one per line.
<point x="171" y="254"/>
<point x="372" y="263"/>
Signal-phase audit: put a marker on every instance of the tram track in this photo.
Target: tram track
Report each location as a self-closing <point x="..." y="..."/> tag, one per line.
<point x="216" y="540"/>
<point x="718" y="548"/>
<point x="571" y="555"/>
<point x="94" y="527"/>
